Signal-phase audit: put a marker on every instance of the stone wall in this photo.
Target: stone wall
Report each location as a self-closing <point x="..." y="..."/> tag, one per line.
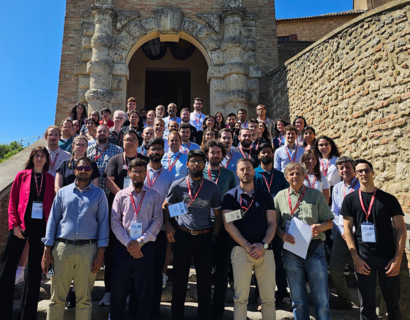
<point x="4" y="223"/>
<point x="287" y="50"/>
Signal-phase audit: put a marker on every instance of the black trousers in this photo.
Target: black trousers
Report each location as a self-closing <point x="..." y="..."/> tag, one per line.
<point x="109" y="251"/>
<point x="139" y="273"/>
<point x="32" y="275"/>
<point x="160" y="252"/>
<point x="222" y="256"/>
<point x="200" y="248"/>
<point x="390" y="287"/>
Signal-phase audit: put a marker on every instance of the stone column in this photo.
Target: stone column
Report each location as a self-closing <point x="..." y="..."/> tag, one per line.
<point x="100" y="67"/>
<point x="235" y="70"/>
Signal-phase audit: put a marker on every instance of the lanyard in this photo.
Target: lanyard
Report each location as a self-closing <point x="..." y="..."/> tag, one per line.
<point x="243" y="207"/>
<point x="155" y="179"/>
<point x="117" y="135"/>
<point x="294" y="157"/>
<point x="41" y="184"/>
<point x="297" y="203"/>
<point x="198" y="120"/>
<point x="299" y="141"/>
<point x="137" y="210"/>
<point x="229" y="160"/>
<point x="190" y="192"/>
<point x="96" y="153"/>
<point x="325" y="166"/>
<point x="187" y="148"/>
<point x="52" y="163"/>
<point x="266" y="181"/>
<point x="245" y="124"/>
<point x="314" y="182"/>
<point x="169" y="161"/>
<point x="257" y="146"/>
<point x="250" y="150"/>
<point x="352" y="187"/>
<point x="370" y="205"/>
<point x="125" y="162"/>
<point x="209" y="174"/>
<point x="280" y="140"/>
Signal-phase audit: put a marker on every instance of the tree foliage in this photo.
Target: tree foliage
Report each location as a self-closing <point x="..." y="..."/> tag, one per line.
<point x="9" y="150"/>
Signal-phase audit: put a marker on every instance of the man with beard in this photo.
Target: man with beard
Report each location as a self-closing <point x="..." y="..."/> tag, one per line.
<point x="174" y="160"/>
<point x="76" y="237"/>
<point x="116" y="179"/>
<point x="185" y="116"/>
<point x="57" y="155"/>
<point x="147" y="135"/>
<point x="271" y="180"/>
<point x="245" y="147"/>
<point x="101" y="152"/>
<point x="172" y="116"/>
<point x="159" y="179"/>
<point x="197" y="117"/>
<point x="117" y="131"/>
<point x="172" y="126"/>
<point x="225" y="180"/>
<point x="231" y="157"/>
<point x="134" y="124"/>
<point x="250" y="218"/>
<point x="66" y="140"/>
<point x="289" y="152"/>
<point x="132" y="105"/>
<point x="193" y="234"/>
<point x="135" y="220"/>
<point x="159" y="128"/>
<point x="186" y="145"/>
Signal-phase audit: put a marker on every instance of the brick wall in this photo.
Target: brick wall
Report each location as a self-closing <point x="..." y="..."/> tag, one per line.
<point x="287" y="50"/>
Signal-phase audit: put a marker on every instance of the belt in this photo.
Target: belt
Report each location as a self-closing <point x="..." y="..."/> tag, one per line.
<point x="77" y="242"/>
<point x="195" y="232"/>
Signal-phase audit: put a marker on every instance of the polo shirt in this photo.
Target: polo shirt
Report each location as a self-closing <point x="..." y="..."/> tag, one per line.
<point x="226" y="179"/>
<point x="163" y="180"/>
<point x="278" y="181"/>
<point x="245" y="154"/>
<point x="281" y="158"/>
<point x="253" y="225"/>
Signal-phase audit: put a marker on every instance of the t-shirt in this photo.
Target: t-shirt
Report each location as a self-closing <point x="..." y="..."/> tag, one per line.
<point x="385" y="207"/>
<point x="226" y="179"/>
<point x="319" y="185"/>
<point x="68" y="173"/>
<point x="245" y="154"/>
<point x="199" y="212"/>
<point x="278" y="180"/>
<point x="253" y="225"/>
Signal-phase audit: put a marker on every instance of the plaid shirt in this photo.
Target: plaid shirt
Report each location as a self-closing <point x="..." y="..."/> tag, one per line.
<point x="102" y="161"/>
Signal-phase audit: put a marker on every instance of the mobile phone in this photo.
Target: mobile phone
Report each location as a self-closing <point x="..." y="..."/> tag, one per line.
<point x="50" y="272"/>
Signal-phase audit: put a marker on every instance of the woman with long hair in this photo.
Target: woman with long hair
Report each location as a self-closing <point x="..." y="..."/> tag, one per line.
<point x="91" y="135"/>
<point x="314" y="178"/>
<point x="219" y="121"/>
<point x="209" y="134"/>
<point x="31" y="198"/>
<point x="263" y="134"/>
<point x="279" y="139"/>
<point x="309" y="135"/>
<point x="328" y="155"/>
<point x="209" y="122"/>
<point x="299" y="123"/>
<point x="78" y="112"/>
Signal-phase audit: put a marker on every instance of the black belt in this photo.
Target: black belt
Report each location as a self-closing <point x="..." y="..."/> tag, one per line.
<point x="77" y="242"/>
<point x="195" y="232"/>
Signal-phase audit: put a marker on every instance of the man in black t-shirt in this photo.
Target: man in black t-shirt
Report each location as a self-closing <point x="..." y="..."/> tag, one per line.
<point x="250" y="218"/>
<point x="373" y="247"/>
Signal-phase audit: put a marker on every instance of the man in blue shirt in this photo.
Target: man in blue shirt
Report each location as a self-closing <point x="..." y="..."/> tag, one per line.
<point x="172" y="116"/>
<point x="174" y="160"/>
<point x="290" y="152"/>
<point x="76" y="237"/>
<point x="229" y="162"/>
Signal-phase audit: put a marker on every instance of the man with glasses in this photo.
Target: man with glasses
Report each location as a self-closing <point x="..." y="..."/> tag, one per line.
<point x="66" y="140"/>
<point x="376" y="252"/>
<point x="57" y="155"/>
<point x="117" y="132"/>
<point x="174" y="160"/>
<point x="289" y="152"/>
<point x="197" y="117"/>
<point x="192" y="233"/>
<point x="172" y="116"/>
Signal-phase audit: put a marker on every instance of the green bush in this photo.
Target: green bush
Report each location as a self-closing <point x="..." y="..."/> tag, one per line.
<point x="9" y="150"/>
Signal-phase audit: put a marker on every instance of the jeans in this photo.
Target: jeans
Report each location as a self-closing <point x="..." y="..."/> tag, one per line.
<point x="315" y="267"/>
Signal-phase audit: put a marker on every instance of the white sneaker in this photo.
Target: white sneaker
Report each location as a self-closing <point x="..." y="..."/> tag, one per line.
<point x="19" y="275"/>
<point x="164" y="280"/>
<point x="105" y="301"/>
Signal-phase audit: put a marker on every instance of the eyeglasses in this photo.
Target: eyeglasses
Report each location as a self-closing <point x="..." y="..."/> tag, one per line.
<point x="86" y="169"/>
<point x="366" y="171"/>
<point x="196" y="161"/>
<point x="324" y="145"/>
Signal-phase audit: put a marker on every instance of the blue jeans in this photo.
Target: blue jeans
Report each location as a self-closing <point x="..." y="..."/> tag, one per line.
<point x="315" y="268"/>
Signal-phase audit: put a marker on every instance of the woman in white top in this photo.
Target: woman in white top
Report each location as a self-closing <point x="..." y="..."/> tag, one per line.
<point x="91" y="134"/>
<point x="314" y="179"/>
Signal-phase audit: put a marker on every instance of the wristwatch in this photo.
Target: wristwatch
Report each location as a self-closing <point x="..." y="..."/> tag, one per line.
<point x="141" y="243"/>
<point x="265" y="245"/>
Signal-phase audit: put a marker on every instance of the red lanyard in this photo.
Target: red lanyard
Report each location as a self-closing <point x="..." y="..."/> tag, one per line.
<point x="352" y="187"/>
<point x="243" y="207"/>
<point x="198" y="120"/>
<point x="96" y="153"/>
<point x="41" y="184"/>
<point x="294" y="157"/>
<point x="52" y="163"/>
<point x="325" y="168"/>
<point x="125" y="162"/>
<point x="370" y="205"/>
<point x="297" y="203"/>
<point x="229" y="160"/>
<point x="153" y="181"/>
<point x="314" y="182"/>
<point x="280" y="140"/>
<point x="169" y="161"/>
<point x="187" y="148"/>
<point x="209" y="174"/>
<point x="257" y="146"/>
<point x="240" y="148"/>
<point x="245" y="124"/>
<point x="266" y="181"/>
<point x="190" y="192"/>
<point x="137" y="210"/>
<point x="119" y="135"/>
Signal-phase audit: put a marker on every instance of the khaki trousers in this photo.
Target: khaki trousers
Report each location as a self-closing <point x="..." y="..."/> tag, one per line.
<point x="264" y="268"/>
<point x="72" y="262"/>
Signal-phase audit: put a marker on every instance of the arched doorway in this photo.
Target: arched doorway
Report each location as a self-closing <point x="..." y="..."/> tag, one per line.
<point x="165" y="72"/>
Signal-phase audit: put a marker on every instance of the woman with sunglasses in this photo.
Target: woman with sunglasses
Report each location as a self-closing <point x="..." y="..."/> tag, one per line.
<point x="314" y="178"/>
<point x="91" y="134"/>
<point x="31" y="198"/>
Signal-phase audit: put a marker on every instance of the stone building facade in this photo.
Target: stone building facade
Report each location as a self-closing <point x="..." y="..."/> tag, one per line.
<point x="236" y="37"/>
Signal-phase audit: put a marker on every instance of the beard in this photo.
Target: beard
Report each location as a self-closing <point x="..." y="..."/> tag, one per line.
<point x="246" y="143"/>
<point x="215" y="162"/>
<point x="266" y="160"/>
<point x="102" y="139"/>
<point x="138" y="184"/>
<point x="196" y="174"/>
<point x="155" y="158"/>
<point x="83" y="178"/>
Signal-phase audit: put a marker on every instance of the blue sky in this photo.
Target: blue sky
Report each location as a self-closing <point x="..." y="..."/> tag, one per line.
<point x="31" y="34"/>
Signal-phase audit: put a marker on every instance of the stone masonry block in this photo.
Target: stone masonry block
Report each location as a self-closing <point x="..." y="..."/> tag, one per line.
<point x="125" y="16"/>
<point x="124" y="41"/>
<point x="212" y="19"/>
<point x="202" y="33"/>
<point x="86" y="55"/>
<point x="169" y="19"/>
<point x="135" y="30"/>
<point x="88" y="30"/>
<point x="211" y="44"/>
<point x="217" y="57"/>
<point x="149" y="24"/>
<point x="121" y="70"/>
<point x="83" y="82"/>
<point x="190" y="26"/>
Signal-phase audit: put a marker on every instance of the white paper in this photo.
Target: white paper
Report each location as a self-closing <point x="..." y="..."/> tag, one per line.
<point x="368" y="233"/>
<point x="302" y="233"/>
<point x="135" y="230"/>
<point x="177" y="209"/>
<point x="37" y="210"/>
<point x="233" y="216"/>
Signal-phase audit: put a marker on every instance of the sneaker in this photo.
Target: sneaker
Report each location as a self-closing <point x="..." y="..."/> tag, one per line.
<point x="346" y="271"/>
<point x="105" y="301"/>
<point x="340" y="304"/>
<point x="258" y="304"/>
<point x="164" y="280"/>
<point x="287" y="304"/>
<point x="19" y="275"/>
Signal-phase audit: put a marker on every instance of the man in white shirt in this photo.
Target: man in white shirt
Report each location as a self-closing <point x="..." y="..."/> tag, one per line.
<point x="172" y="116"/>
<point x="57" y="155"/>
<point x="197" y="117"/>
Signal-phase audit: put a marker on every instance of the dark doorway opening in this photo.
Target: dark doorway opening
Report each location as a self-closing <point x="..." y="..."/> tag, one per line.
<point x="164" y="87"/>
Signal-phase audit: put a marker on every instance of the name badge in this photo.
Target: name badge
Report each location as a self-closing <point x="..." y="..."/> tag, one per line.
<point x="127" y="182"/>
<point x="368" y="232"/>
<point x="233" y="215"/>
<point x="287" y="225"/>
<point x="135" y="230"/>
<point x="124" y="167"/>
<point x="37" y="210"/>
<point x="177" y="209"/>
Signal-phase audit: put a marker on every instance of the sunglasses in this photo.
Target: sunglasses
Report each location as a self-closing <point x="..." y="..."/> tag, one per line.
<point x="86" y="169"/>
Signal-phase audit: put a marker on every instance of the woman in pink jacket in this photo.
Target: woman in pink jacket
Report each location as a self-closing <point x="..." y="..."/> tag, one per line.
<point x="31" y="198"/>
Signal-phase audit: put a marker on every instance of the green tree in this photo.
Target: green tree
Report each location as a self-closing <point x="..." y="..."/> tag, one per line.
<point x="9" y="150"/>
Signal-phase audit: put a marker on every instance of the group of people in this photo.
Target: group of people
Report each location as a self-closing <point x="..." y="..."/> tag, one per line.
<point x="221" y="192"/>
